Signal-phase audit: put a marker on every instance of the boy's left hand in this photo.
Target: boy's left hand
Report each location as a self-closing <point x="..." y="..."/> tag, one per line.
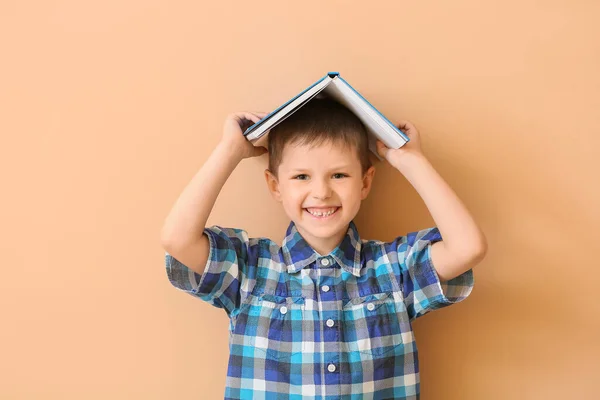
<point x="396" y="156"/>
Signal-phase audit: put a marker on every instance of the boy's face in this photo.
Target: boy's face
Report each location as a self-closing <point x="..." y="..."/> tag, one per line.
<point x="325" y="179"/>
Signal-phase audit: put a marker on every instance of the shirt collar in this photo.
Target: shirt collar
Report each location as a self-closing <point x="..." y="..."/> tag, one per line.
<point x="298" y="254"/>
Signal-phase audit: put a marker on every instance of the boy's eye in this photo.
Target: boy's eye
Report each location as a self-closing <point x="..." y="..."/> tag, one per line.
<point x="303" y="177"/>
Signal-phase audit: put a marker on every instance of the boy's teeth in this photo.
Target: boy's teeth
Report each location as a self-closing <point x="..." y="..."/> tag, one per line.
<point x="321" y="213"/>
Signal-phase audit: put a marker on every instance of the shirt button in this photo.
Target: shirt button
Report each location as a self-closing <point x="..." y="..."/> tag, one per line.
<point x="283" y="309"/>
<point x="331" y="368"/>
<point x="324" y="261"/>
<point x="330" y="323"/>
<point x="370" y="306"/>
<point x="325" y="288"/>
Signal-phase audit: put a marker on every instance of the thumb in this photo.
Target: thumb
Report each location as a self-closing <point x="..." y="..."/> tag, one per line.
<point x="259" y="151"/>
<point x="381" y="148"/>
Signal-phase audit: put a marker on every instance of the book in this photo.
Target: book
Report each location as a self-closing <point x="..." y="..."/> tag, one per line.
<point x="334" y="86"/>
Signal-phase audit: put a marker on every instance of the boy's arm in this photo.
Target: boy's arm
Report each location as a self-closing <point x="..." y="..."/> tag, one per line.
<point x="182" y="234"/>
<point x="464" y="245"/>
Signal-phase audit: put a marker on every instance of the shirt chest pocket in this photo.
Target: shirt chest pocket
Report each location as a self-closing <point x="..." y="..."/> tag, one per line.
<point x="271" y="325"/>
<point x="372" y="324"/>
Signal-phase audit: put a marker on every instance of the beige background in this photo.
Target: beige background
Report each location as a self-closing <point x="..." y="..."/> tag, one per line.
<point x="107" y="110"/>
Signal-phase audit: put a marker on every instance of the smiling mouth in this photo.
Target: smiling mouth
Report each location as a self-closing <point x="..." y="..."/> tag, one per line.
<point x="323" y="215"/>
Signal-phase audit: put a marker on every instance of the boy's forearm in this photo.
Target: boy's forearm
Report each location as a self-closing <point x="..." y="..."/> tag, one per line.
<point x="187" y="219"/>
<point x="459" y="230"/>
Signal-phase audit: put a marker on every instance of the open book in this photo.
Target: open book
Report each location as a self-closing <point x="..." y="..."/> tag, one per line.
<point x="332" y="85"/>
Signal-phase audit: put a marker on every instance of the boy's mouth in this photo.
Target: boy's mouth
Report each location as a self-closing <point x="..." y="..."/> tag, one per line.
<point x="322" y="213"/>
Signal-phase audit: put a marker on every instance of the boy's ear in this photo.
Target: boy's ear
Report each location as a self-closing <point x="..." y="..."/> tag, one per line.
<point x="273" y="185"/>
<point x="367" y="181"/>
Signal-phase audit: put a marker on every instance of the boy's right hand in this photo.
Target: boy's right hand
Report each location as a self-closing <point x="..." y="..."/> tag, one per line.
<point x="233" y="134"/>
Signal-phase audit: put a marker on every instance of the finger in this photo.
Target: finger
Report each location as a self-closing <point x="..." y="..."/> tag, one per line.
<point x="252" y="116"/>
<point x="244" y="115"/>
<point x="407" y="126"/>
<point x="246" y="119"/>
<point x="260" y="114"/>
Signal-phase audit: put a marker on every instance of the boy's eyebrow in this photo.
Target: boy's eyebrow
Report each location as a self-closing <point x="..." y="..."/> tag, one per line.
<point x="343" y="166"/>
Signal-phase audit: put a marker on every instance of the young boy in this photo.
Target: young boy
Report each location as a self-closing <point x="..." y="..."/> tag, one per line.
<point x="327" y="315"/>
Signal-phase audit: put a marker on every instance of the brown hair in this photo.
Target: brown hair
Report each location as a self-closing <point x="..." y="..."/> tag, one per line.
<point x="321" y="120"/>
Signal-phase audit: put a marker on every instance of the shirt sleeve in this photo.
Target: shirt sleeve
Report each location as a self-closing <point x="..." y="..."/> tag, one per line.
<point x="418" y="279"/>
<point x="225" y="272"/>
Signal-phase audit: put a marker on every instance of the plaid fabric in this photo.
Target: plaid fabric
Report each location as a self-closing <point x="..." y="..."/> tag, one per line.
<point x="307" y="326"/>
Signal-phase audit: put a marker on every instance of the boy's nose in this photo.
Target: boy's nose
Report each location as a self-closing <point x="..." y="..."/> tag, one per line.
<point x="321" y="191"/>
<point x="321" y="197"/>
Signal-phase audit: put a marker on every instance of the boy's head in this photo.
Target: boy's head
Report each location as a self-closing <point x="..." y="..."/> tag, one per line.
<point x="319" y="163"/>
<point x="320" y="121"/>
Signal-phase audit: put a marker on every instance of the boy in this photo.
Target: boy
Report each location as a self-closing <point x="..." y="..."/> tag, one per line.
<point x="327" y="315"/>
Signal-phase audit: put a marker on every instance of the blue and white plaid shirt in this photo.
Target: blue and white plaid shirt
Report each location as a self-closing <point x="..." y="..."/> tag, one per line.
<point x="307" y="326"/>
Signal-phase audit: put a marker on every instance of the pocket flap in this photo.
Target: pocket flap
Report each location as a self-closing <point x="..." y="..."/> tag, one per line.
<point x="281" y="299"/>
<point x="375" y="298"/>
